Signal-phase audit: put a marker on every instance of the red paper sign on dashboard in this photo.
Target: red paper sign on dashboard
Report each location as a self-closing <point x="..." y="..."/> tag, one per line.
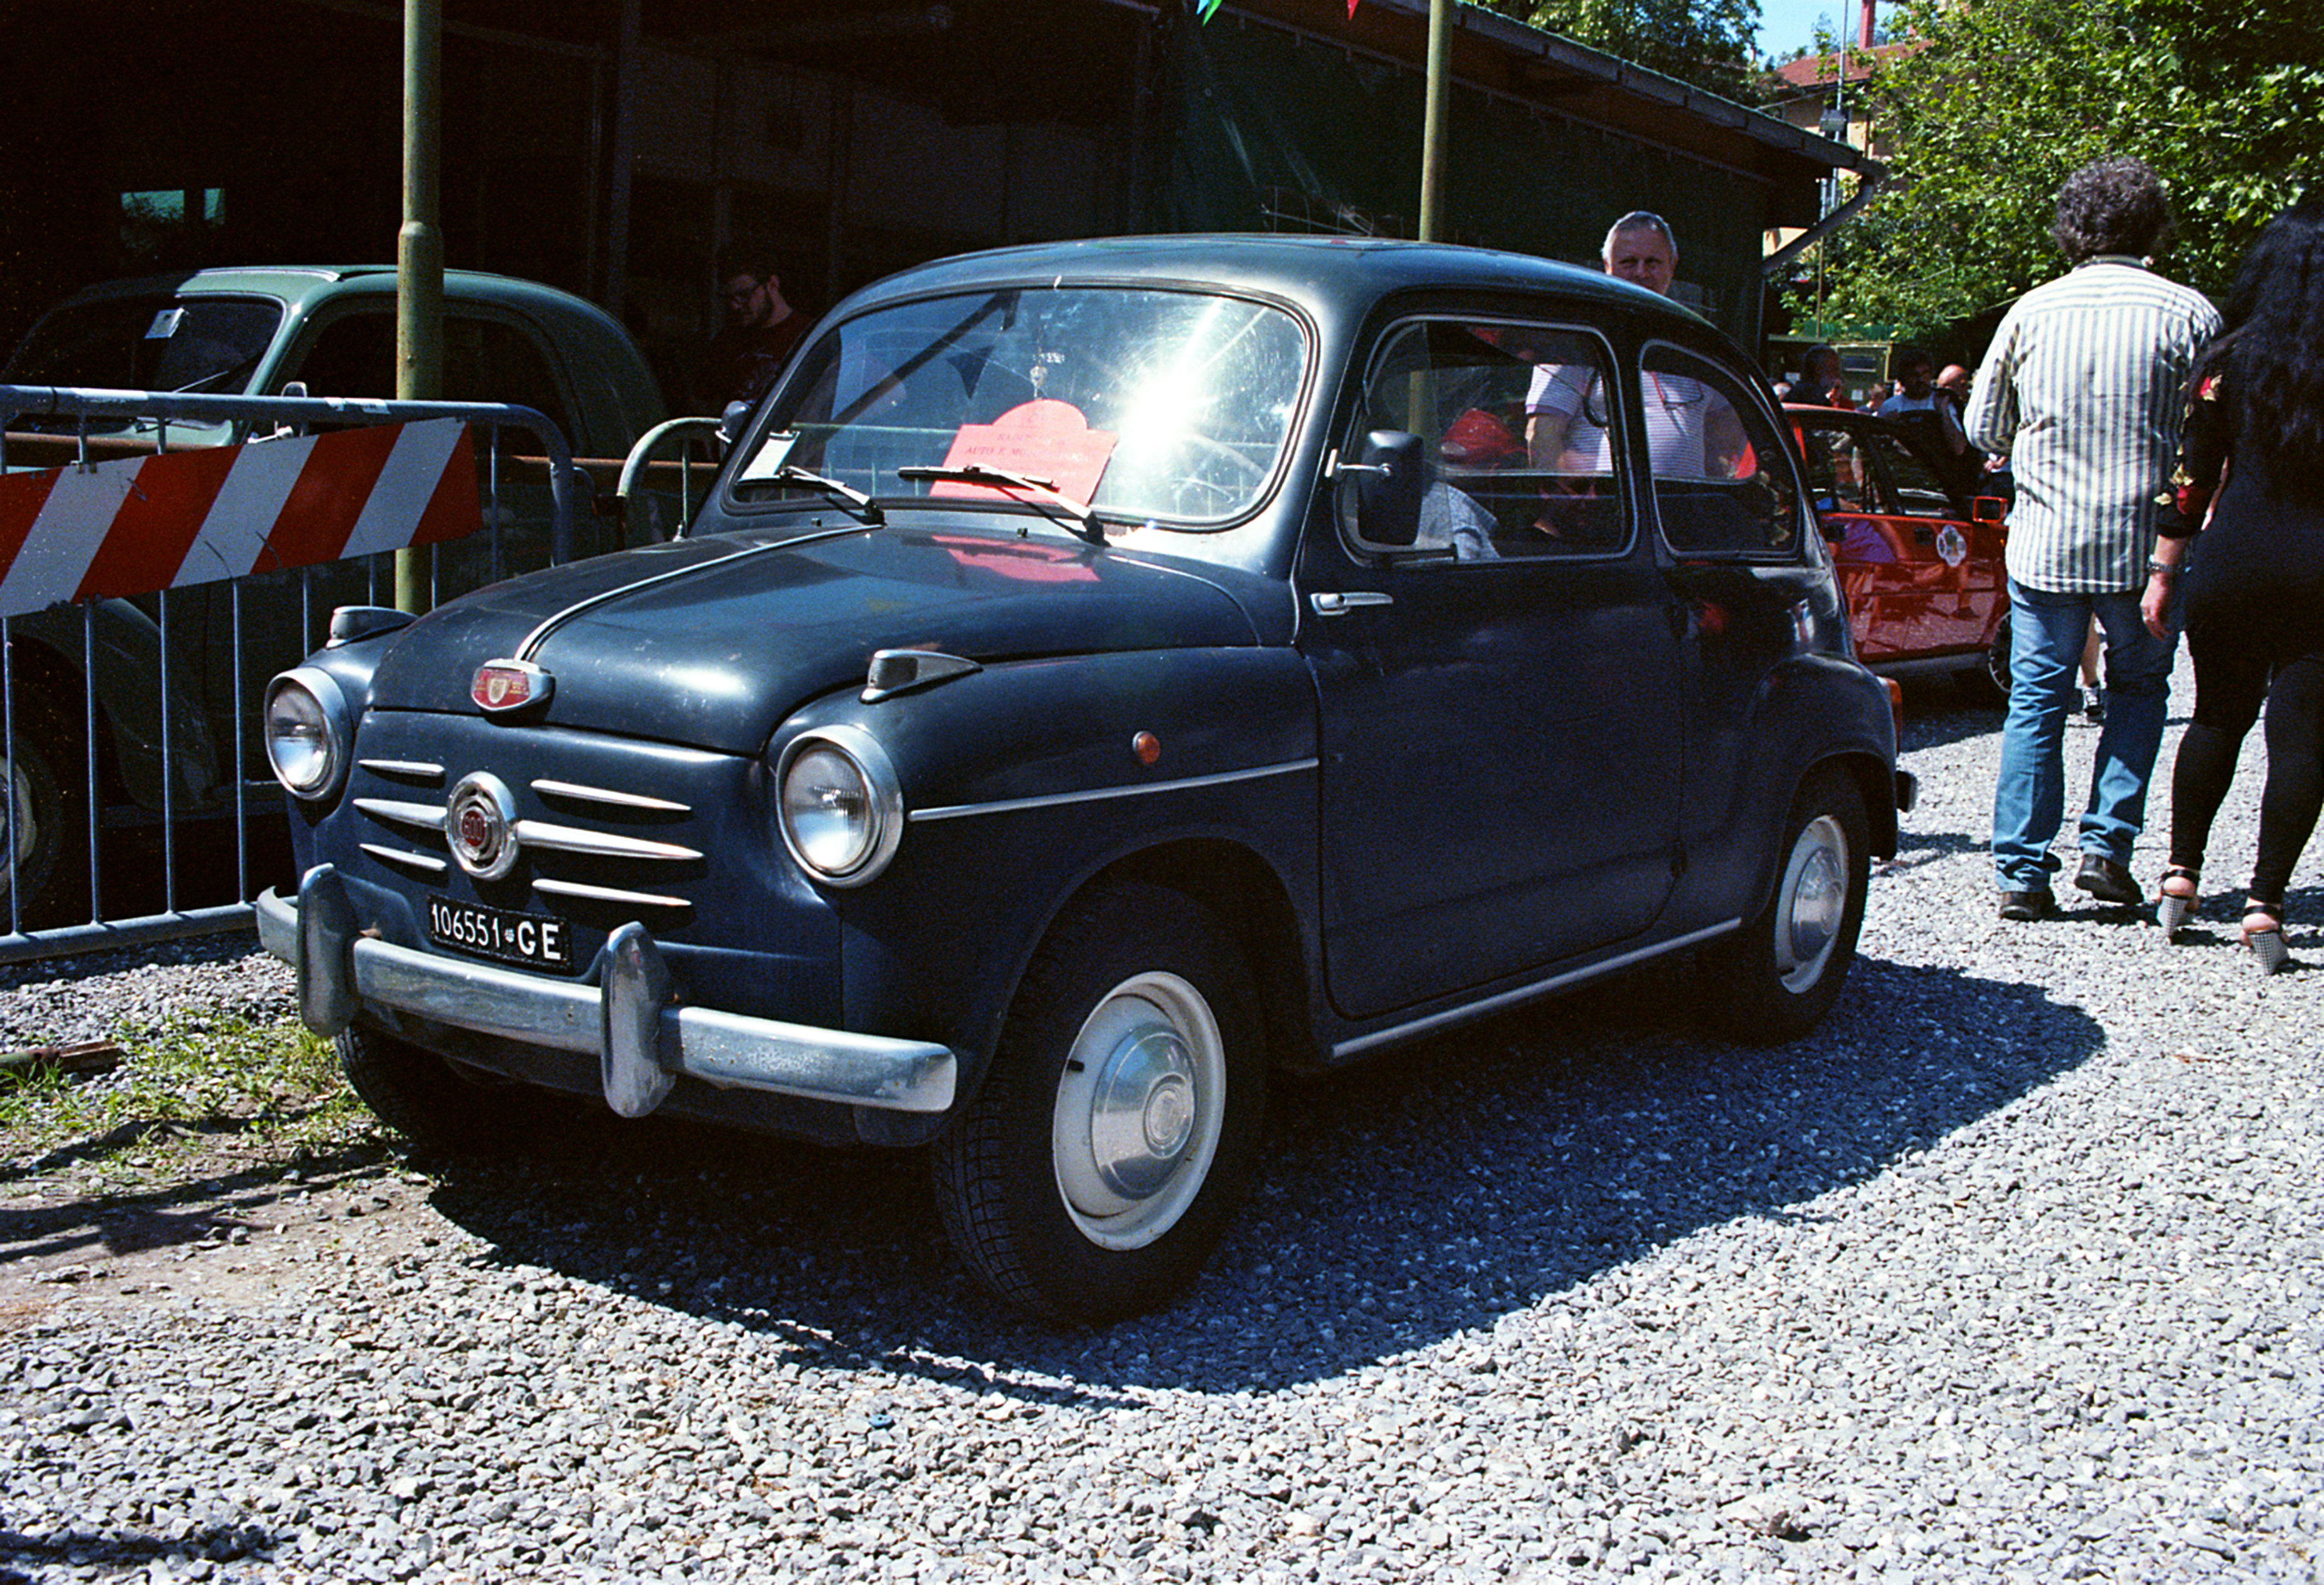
<point x="1041" y="440"/>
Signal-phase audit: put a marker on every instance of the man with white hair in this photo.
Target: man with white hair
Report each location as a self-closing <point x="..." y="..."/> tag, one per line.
<point x="1691" y="430"/>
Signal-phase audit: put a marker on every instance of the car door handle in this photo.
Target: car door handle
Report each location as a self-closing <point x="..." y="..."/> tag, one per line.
<point x="1332" y="603"/>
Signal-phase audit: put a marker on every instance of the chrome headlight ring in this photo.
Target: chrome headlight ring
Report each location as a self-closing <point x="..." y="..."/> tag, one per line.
<point x="838" y="804"/>
<point x="309" y="731"/>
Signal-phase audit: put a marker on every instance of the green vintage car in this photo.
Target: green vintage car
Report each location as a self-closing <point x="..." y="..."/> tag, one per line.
<point x="262" y="331"/>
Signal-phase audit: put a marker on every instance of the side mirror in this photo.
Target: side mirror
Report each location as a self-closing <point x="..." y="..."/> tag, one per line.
<point x="731" y="421"/>
<point x="1390" y="476"/>
<point x="1989" y="509"/>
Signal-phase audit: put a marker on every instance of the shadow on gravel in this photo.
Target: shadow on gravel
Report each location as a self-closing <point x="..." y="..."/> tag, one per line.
<point x="129" y="1222"/>
<point x="219" y="1544"/>
<point x="1423" y="1195"/>
<point x="1938" y="712"/>
<point x="225" y="947"/>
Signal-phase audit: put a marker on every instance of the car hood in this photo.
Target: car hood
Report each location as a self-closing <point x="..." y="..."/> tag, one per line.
<point x="711" y="642"/>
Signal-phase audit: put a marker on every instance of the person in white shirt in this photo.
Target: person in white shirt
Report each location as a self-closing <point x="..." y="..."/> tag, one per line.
<point x="1691" y="431"/>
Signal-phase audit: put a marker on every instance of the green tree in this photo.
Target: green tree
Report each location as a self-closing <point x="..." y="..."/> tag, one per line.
<point x="1706" y="42"/>
<point x="2004" y="98"/>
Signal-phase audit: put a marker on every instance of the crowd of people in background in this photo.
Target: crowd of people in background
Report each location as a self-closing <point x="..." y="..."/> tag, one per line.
<point x="2166" y="463"/>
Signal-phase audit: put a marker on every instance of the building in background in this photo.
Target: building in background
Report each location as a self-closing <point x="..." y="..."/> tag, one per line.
<point x="612" y="147"/>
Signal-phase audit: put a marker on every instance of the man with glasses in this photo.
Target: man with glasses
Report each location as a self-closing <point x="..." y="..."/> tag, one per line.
<point x="756" y="340"/>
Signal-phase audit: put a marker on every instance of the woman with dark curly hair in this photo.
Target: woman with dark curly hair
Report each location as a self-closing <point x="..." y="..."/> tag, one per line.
<point x="2253" y="458"/>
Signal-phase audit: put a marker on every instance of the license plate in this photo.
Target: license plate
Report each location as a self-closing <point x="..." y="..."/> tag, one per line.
<point x="531" y="941"/>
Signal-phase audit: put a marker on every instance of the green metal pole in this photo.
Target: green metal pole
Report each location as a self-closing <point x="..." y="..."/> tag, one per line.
<point x="1435" y="128"/>
<point x="419" y="246"/>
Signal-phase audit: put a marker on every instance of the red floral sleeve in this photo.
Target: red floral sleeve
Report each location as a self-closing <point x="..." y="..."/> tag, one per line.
<point x="2203" y="449"/>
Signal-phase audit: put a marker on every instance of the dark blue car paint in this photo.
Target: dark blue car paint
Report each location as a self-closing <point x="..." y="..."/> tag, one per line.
<point x="1406" y="816"/>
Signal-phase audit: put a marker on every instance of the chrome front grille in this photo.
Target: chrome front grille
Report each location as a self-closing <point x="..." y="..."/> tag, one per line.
<point x="578" y="839"/>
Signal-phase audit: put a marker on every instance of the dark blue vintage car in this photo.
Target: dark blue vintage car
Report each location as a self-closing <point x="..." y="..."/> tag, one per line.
<point x="1107" y="674"/>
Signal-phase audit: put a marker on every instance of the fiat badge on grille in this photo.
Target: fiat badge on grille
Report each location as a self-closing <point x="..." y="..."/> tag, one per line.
<point x="501" y="686"/>
<point x="480" y="822"/>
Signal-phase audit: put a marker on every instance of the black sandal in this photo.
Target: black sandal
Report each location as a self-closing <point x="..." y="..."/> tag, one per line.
<point x="2265" y="938"/>
<point x="2174" y="909"/>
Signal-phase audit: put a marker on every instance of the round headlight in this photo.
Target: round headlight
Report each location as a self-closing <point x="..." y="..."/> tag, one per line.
<point x="842" y="811"/>
<point x="307" y="731"/>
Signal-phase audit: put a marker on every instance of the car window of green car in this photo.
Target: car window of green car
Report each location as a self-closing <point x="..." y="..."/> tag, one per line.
<point x="485" y="360"/>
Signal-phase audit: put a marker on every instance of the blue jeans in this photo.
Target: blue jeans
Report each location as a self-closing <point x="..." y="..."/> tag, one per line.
<point x="2047" y="632"/>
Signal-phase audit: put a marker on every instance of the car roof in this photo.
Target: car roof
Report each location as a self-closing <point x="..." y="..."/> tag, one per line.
<point x="298" y="286"/>
<point x="1331" y="273"/>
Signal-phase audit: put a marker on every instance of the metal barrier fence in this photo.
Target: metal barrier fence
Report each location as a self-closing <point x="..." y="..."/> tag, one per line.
<point x="129" y="744"/>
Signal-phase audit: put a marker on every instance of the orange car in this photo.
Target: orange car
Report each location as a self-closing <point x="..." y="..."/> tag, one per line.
<point x="1919" y="557"/>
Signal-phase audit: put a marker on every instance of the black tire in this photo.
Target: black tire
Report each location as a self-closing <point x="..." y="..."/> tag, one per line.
<point x="42" y="804"/>
<point x="1775" y="978"/>
<point x="432" y="1103"/>
<point x="1990" y="680"/>
<point x="1096" y="1169"/>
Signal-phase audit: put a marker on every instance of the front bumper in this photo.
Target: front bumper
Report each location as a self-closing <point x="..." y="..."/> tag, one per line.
<point x="642" y="1043"/>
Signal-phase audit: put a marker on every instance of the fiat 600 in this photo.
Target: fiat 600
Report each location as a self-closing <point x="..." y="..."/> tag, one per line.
<point x="1105" y="676"/>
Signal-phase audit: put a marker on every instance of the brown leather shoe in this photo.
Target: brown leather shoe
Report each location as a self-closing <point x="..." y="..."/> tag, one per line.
<point x="2108" y="882"/>
<point x="2028" y="905"/>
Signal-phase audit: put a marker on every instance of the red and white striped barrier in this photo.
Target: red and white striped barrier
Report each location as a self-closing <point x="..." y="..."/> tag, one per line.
<point x="202" y="514"/>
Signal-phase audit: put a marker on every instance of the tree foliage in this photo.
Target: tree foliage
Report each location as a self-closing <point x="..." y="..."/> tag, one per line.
<point x="2006" y="97"/>
<point x="1706" y="42"/>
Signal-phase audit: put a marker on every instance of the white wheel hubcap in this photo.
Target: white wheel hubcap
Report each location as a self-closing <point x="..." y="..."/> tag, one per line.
<point x="1812" y="903"/>
<point x="1139" y="1110"/>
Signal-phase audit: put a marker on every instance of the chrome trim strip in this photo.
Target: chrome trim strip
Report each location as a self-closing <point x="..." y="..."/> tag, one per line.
<point x="404" y="768"/>
<point x="398" y="856"/>
<point x="1053" y="800"/>
<point x="532" y="641"/>
<point x="603" y="845"/>
<point x="606" y="795"/>
<point x="606" y="894"/>
<point x="426" y="816"/>
<point x="1528" y="992"/>
<point x="339" y="969"/>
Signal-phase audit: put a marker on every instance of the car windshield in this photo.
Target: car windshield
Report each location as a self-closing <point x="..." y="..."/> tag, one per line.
<point x="1169" y="408"/>
<point x="148" y="344"/>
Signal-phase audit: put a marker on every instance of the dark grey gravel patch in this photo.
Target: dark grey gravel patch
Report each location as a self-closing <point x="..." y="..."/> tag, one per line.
<point x="2008" y="1273"/>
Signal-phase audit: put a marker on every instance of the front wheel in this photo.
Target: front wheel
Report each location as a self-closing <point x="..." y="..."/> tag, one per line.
<point x="1096" y="1168"/>
<point x="1776" y="978"/>
<point x="432" y="1103"/>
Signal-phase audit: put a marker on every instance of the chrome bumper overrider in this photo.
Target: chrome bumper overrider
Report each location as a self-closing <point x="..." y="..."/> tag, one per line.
<point x="641" y="1042"/>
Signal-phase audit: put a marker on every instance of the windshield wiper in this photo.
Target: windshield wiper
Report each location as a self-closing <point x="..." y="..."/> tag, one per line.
<point x="1082" y="513"/>
<point x="866" y="507"/>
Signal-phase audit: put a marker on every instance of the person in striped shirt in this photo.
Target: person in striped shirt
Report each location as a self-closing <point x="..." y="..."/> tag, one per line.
<point x="2084" y="388"/>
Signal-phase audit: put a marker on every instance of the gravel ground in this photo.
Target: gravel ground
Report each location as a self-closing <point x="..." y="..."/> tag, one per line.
<point x="2010" y="1273"/>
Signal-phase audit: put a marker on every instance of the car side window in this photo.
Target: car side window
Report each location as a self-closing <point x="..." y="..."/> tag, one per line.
<point x="1918" y="492"/>
<point x="1513" y="422"/>
<point x="1840" y="477"/>
<point x="1722" y="484"/>
<point x="352" y="356"/>
<point x="485" y="360"/>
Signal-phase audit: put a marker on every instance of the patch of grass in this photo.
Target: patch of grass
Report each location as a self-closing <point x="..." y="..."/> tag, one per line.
<point x="188" y="1093"/>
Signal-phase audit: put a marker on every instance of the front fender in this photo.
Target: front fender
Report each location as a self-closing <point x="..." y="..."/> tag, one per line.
<point x="1024" y="781"/>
